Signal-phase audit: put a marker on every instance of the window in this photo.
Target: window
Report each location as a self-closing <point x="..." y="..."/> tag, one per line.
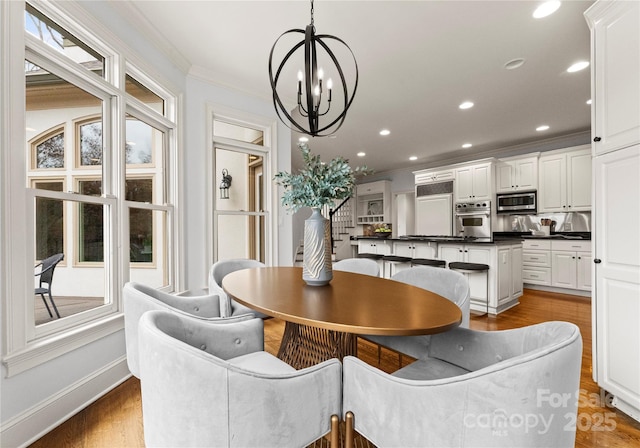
<point x="93" y="181"/>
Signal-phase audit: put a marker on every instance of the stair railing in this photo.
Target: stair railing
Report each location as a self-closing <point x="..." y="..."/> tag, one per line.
<point x="340" y="218"/>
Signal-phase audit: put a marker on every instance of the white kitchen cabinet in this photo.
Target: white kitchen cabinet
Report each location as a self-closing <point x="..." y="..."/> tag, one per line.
<point x="536" y="262"/>
<point x="567" y="259"/>
<point x="374" y="246"/>
<point x="430" y="176"/>
<point x="414" y="249"/>
<point x="474" y="182"/>
<point x="565" y="182"/>
<point x="374" y="202"/>
<point x="517" y="175"/>
<point x="615" y="50"/>
<point x="503" y="260"/>
<point x="616" y="319"/>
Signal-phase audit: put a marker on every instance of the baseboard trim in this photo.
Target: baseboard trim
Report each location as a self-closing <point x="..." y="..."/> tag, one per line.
<point x="573" y="292"/>
<point x="30" y="425"/>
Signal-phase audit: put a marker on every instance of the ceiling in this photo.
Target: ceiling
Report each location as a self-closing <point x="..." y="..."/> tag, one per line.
<point x="417" y="61"/>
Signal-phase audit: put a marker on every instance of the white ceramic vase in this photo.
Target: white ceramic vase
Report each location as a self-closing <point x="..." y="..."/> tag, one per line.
<point x="316" y="268"/>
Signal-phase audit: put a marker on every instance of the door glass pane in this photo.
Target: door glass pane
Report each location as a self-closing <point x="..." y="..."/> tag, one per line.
<point x="148" y="247"/>
<point x="235" y="132"/>
<point x="90" y="224"/>
<point x="138" y="90"/>
<point x="61" y="40"/>
<point x="68" y="288"/>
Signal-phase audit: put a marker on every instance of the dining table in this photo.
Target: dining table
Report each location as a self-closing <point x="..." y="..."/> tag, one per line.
<point x="323" y="322"/>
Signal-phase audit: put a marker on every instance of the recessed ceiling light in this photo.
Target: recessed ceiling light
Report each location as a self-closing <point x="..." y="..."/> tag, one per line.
<point x="514" y="64"/>
<point x="467" y="145"/>
<point x="578" y="66"/>
<point x="466" y="105"/>
<point x="385" y="132"/>
<point x="589" y="101"/>
<point x="544" y="127"/>
<point x="361" y="154"/>
<point x="413" y="158"/>
<point x="303" y="139"/>
<point x="545" y="9"/>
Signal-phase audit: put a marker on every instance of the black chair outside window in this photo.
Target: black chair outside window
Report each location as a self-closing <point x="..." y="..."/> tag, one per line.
<point x="48" y="265"/>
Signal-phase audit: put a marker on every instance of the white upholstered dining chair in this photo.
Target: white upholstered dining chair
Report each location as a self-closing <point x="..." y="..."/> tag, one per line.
<point x="218" y="271"/>
<point x="364" y="266"/>
<point x="139" y="298"/>
<point x="207" y="385"/>
<point x="511" y="388"/>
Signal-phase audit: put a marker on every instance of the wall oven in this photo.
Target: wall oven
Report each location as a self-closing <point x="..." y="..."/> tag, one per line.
<point x="473" y="220"/>
<point x="520" y="203"/>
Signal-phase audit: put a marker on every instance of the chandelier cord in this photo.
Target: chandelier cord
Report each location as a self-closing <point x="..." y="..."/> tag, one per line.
<point x="311" y="12"/>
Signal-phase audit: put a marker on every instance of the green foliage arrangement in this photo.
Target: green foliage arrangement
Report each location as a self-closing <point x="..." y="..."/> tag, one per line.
<point x="318" y="183"/>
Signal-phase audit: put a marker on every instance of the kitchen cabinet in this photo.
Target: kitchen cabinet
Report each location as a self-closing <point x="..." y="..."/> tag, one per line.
<point x="413" y="249"/>
<point x="430" y="176"/>
<point x="373" y="202"/>
<point x="474" y="182"/>
<point x="504" y="260"/>
<point x="571" y="264"/>
<point x="536" y="262"/>
<point x="615" y="50"/>
<point x="565" y="182"/>
<point x="374" y="246"/>
<point x="517" y="175"/>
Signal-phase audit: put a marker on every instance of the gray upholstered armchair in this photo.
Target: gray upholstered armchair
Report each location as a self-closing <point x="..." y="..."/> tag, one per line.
<point x="219" y="269"/>
<point x="512" y="388"/>
<point x="139" y="298"/>
<point x="208" y="385"/>
<point x="449" y="284"/>
<point x="364" y="266"/>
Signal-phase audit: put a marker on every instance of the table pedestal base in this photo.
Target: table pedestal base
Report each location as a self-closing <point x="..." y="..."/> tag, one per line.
<point x="304" y="346"/>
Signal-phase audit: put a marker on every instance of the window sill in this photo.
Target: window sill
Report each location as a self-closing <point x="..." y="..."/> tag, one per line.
<point x="44" y="350"/>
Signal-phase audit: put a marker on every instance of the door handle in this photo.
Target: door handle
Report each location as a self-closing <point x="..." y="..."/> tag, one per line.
<point x="597" y="260"/>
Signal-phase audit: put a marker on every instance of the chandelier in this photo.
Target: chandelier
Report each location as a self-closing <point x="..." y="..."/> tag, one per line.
<point x="315" y="97"/>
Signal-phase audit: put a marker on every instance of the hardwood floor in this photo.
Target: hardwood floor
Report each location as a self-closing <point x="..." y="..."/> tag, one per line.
<point x="115" y="420"/>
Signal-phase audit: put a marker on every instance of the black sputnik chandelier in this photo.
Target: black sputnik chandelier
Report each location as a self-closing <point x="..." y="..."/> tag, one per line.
<point x="314" y="103"/>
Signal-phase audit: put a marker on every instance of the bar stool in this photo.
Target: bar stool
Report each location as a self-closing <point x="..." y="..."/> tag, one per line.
<point x="428" y="262"/>
<point x="377" y="258"/>
<point x="395" y="263"/>
<point x="472" y="268"/>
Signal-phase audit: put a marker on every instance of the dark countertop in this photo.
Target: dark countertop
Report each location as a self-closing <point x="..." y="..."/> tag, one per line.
<point x="554" y="236"/>
<point x="442" y="240"/>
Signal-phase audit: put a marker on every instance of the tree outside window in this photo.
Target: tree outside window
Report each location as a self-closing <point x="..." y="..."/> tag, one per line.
<point x="50" y="153"/>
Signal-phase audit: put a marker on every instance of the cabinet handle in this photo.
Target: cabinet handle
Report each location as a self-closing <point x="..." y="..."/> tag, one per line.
<point x="596" y="139"/>
<point x="597" y="260"/>
<point x="579" y="258"/>
<point x="534" y="258"/>
<point x="573" y="258"/>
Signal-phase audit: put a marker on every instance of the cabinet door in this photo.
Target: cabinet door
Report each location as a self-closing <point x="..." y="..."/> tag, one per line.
<point x="424" y="250"/>
<point x="505" y="271"/>
<point x="450" y="252"/>
<point x="526" y="174"/>
<point x="579" y="181"/>
<point x="616" y="47"/>
<point x="481" y="182"/>
<point x="464" y="184"/>
<point x="516" y="271"/>
<point x="366" y="247"/>
<point x="403" y="249"/>
<point x="382" y="248"/>
<point x="552" y="190"/>
<point x="563" y="269"/>
<point x="583" y="280"/>
<point x="505" y="177"/>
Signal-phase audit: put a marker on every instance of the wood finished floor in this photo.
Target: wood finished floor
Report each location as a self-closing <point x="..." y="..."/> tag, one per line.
<point x="115" y="420"/>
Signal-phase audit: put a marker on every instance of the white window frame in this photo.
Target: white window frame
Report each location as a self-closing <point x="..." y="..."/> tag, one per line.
<point x="25" y="345"/>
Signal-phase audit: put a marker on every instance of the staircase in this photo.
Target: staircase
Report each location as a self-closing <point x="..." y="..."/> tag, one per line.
<point x="342" y="228"/>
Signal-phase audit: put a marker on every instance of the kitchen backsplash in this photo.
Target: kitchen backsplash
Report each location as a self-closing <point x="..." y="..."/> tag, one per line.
<point x="565" y="222"/>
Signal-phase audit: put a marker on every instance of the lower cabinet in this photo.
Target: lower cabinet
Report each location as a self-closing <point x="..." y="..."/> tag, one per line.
<point x="557" y="263"/>
<point x="379" y="247"/>
<point x="415" y="250"/>
<point x="504" y="276"/>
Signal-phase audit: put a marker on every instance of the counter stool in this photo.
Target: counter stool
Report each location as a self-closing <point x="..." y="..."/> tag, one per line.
<point x="472" y="268"/>
<point x="377" y="258"/>
<point x="395" y="264"/>
<point x="428" y="262"/>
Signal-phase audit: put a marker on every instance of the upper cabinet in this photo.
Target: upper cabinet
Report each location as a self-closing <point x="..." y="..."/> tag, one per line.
<point x="426" y="177"/>
<point x="565" y="182"/>
<point x="374" y="202"/>
<point x="474" y="182"/>
<point x="615" y="47"/>
<point x="517" y="175"/>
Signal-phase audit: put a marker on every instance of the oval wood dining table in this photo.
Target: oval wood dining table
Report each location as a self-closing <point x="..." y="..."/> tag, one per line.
<point x="323" y="322"/>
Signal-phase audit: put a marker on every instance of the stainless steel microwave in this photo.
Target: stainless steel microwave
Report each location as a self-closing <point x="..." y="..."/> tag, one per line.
<point x="520" y="203"/>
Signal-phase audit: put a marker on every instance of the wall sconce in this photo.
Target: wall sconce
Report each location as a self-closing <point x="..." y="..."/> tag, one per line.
<point x="225" y="184"/>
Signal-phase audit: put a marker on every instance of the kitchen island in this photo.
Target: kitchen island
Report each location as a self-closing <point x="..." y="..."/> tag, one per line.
<point x="503" y="256"/>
